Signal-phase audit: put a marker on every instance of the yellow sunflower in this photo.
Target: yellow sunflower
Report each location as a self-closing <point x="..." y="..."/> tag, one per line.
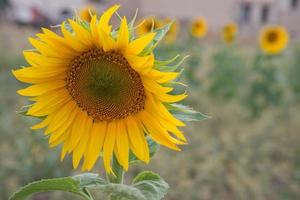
<point x="98" y="94"/>
<point x="147" y="25"/>
<point x="173" y="31"/>
<point x="273" y="39"/>
<point x="229" y="32"/>
<point x="87" y="12"/>
<point x="199" y="27"/>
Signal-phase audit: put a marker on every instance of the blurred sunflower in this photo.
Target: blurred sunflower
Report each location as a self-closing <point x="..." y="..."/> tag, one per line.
<point x="273" y="39"/>
<point x="87" y="12"/>
<point x="98" y="94"/>
<point x="199" y="27"/>
<point x="173" y="32"/>
<point x="229" y="32"/>
<point x="147" y="25"/>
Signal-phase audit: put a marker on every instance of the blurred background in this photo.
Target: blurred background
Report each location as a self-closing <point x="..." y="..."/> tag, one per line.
<point x="249" y="149"/>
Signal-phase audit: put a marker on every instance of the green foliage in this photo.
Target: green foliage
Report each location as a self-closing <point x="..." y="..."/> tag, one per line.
<point x="146" y="186"/>
<point x="227" y="74"/>
<point x="265" y="88"/>
<point x="67" y="184"/>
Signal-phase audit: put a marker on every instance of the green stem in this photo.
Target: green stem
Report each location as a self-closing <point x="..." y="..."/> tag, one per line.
<point x="118" y="175"/>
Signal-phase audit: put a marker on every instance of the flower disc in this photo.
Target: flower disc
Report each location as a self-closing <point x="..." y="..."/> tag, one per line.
<point x="104" y="85"/>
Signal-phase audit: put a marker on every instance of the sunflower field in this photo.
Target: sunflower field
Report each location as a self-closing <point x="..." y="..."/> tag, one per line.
<point x="63" y="116"/>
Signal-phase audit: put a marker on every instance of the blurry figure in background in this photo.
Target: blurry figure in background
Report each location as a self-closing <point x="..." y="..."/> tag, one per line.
<point x="173" y="31"/>
<point x="3" y="5"/>
<point x="38" y="18"/>
<point x="65" y="13"/>
<point x="86" y="12"/>
<point x="229" y="32"/>
<point x="199" y="27"/>
<point x="148" y="24"/>
<point x="273" y="39"/>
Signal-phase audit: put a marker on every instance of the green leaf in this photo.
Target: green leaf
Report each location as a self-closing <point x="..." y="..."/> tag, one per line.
<point x="153" y="148"/>
<point x="120" y="191"/>
<point x="152" y="186"/>
<point x="185" y="113"/>
<point x="146" y="186"/>
<point x="66" y="184"/>
<point x="87" y="180"/>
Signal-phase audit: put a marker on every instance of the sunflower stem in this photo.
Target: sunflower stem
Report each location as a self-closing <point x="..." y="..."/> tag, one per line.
<point x="118" y="175"/>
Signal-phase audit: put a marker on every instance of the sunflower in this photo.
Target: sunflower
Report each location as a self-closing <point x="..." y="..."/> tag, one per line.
<point x="173" y="31"/>
<point x="273" y="39"/>
<point x="229" y="32"/>
<point x="86" y="13"/>
<point x="147" y="25"/>
<point x="199" y="27"/>
<point x="98" y="94"/>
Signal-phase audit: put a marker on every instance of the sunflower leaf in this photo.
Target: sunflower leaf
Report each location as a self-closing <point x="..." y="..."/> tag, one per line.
<point x="88" y="180"/>
<point x="185" y="113"/>
<point x="153" y="148"/>
<point x="67" y="184"/>
<point x="151" y="185"/>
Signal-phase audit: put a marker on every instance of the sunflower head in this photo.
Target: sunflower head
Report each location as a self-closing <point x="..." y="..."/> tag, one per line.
<point x="229" y="32"/>
<point x="147" y="25"/>
<point x="101" y="92"/>
<point x="273" y="39"/>
<point x="86" y="12"/>
<point x="199" y="27"/>
<point x="173" y="31"/>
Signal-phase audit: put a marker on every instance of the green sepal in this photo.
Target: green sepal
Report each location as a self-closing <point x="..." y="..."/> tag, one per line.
<point x="160" y="34"/>
<point x="185" y="113"/>
<point x="153" y="148"/>
<point x="169" y="68"/>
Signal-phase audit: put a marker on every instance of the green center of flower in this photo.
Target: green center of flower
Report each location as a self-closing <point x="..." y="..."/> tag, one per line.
<point x="272" y="37"/>
<point x="104" y="85"/>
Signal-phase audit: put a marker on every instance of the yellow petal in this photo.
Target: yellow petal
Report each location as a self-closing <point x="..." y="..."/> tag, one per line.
<point x="43" y="123"/>
<point x="123" y="36"/>
<point x="81" y="33"/>
<point x="138" y="45"/>
<point x="42" y="88"/>
<point x="107" y="41"/>
<point x="137" y="140"/>
<point x="122" y="144"/>
<point x="109" y="144"/>
<point x="105" y="18"/>
<point x="61" y="118"/>
<point x="98" y="133"/>
<point x="82" y="145"/>
<point x="78" y="129"/>
<point x="152" y="86"/>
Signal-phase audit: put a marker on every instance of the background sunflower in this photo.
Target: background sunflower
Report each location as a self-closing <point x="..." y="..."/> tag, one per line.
<point x="229" y="32"/>
<point x="199" y="27"/>
<point x="273" y="39"/>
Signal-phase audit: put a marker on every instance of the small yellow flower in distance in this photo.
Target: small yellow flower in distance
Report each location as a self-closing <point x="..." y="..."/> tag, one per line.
<point x="147" y="25"/>
<point x="199" y="27"/>
<point x="173" y="32"/>
<point x="87" y="12"/>
<point x="229" y="32"/>
<point x="273" y="39"/>
<point x="97" y="94"/>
